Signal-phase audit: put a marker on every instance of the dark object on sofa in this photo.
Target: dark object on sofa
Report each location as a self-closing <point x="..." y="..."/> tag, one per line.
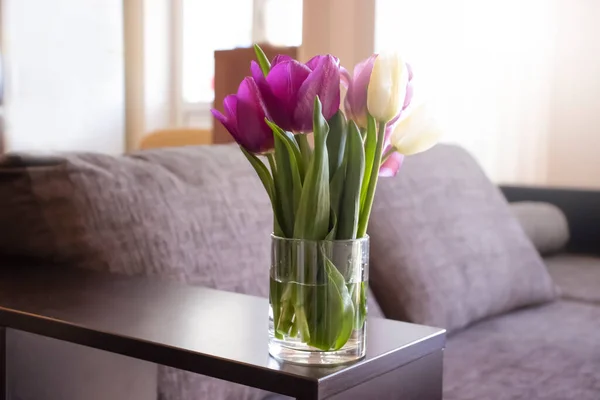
<point x="581" y="207"/>
<point x="550" y="351"/>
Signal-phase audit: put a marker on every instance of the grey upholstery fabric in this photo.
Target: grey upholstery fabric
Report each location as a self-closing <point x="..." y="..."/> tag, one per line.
<point x="445" y="249"/>
<point x="544" y="223"/>
<point x="196" y="214"/>
<point x="577" y="276"/>
<point x="550" y="352"/>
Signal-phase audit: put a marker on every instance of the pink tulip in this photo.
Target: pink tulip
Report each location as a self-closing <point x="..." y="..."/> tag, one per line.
<point x="244" y="118"/>
<point x="391" y="166"/>
<point x="290" y="88"/>
<point x="355" y="103"/>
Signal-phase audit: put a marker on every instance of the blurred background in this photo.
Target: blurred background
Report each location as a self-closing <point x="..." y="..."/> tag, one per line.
<point x="517" y="82"/>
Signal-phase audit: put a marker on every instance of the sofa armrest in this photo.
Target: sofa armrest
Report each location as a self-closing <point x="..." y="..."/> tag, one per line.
<point x="581" y="207"/>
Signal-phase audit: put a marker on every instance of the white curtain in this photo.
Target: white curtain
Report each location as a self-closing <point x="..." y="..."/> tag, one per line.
<point x="486" y="67"/>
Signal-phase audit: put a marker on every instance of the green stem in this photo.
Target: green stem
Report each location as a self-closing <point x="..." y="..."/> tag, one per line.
<point x="271" y="158"/>
<point x="387" y="154"/>
<point x="305" y="149"/>
<point x="277" y="214"/>
<point x="366" y="211"/>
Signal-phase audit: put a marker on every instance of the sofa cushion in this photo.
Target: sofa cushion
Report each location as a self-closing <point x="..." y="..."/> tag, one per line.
<point x="544" y="223"/>
<point x="197" y="214"/>
<point x="577" y="276"/>
<point x="546" y="352"/>
<point x="445" y="248"/>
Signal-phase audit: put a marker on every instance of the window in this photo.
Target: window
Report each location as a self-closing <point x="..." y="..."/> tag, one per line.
<point x="227" y="24"/>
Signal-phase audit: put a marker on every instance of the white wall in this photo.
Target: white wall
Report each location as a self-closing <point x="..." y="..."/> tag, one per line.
<point x="574" y="146"/>
<point x="65" y="85"/>
<point x="486" y="69"/>
<point x="517" y="82"/>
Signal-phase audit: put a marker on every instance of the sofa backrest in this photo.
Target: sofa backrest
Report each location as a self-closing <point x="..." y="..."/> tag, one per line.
<point x="195" y="214"/>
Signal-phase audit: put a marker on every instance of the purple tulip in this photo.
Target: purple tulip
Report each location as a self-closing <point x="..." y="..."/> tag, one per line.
<point x="244" y="118"/>
<point x="355" y="103"/>
<point x="290" y="88"/>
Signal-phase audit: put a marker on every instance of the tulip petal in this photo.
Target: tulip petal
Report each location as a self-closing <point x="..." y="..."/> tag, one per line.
<point x="253" y="133"/>
<point x="392" y="165"/>
<point x="285" y="80"/>
<point x="279" y="58"/>
<point x="408" y="96"/>
<point x="356" y="97"/>
<point x="230" y="106"/>
<point x="415" y="133"/>
<point x="314" y="62"/>
<point x="410" y="71"/>
<point x="345" y="77"/>
<point x="365" y="67"/>
<point x="228" y="119"/>
<point x="224" y="120"/>
<point x="323" y="81"/>
<point x="387" y="87"/>
<point x="395" y="119"/>
<point x="256" y="72"/>
<point x="276" y="110"/>
<point x="389" y="129"/>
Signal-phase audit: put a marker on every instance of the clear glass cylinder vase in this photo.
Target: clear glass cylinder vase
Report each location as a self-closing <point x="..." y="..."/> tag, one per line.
<point x="318" y="300"/>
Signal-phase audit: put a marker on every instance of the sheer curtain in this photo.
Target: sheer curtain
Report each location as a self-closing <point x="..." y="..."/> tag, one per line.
<point x="486" y="68"/>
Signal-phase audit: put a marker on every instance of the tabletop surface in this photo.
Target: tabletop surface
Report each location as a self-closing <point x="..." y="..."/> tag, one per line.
<point x="211" y="332"/>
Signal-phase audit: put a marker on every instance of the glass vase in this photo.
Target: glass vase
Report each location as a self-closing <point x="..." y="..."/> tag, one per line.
<point x="318" y="300"/>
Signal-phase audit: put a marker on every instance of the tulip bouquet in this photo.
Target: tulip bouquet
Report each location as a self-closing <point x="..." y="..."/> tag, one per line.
<point x="324" y="190"/>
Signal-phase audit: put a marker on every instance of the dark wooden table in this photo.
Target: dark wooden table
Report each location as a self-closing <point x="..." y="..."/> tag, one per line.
<point x="210" y="332"/>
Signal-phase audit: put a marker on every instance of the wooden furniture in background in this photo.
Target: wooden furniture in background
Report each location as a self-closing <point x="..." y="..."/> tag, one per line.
<point x="231" y="66"/>
<point x="175" y="138"/>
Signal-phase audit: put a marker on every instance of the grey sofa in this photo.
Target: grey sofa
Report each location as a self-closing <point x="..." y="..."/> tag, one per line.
<point x="550" y="351"/>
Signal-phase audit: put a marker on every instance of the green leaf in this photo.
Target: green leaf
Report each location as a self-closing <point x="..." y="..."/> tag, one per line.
<point x="312" y="218"/>
<point x="362" y="305"/>
<point x="268" y="183"/>
<point x="333" y="231"/>
<point x="337" y="311"/>
<point x="285" y="293"/>
<point x="284" y="187"/>
<point x="370" y="144"/>
<point x="302" y="140"/>
<point x="336" y="189"/>
<point x="263" y="61"/>
<point x="274" y="297"/>
<point x="288" y="174"/>
<point x="261" y="171"/>
<point x="349" y="209"/>
<point x="290" y="139"/>
<point x="358" y="293"/>
<point x="290" y="144"/>
<point x="336" y="142"/>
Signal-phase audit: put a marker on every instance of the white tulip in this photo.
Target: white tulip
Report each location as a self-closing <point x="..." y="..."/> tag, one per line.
<point x="387" y="87"/>
<point x="415" y="133"/>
